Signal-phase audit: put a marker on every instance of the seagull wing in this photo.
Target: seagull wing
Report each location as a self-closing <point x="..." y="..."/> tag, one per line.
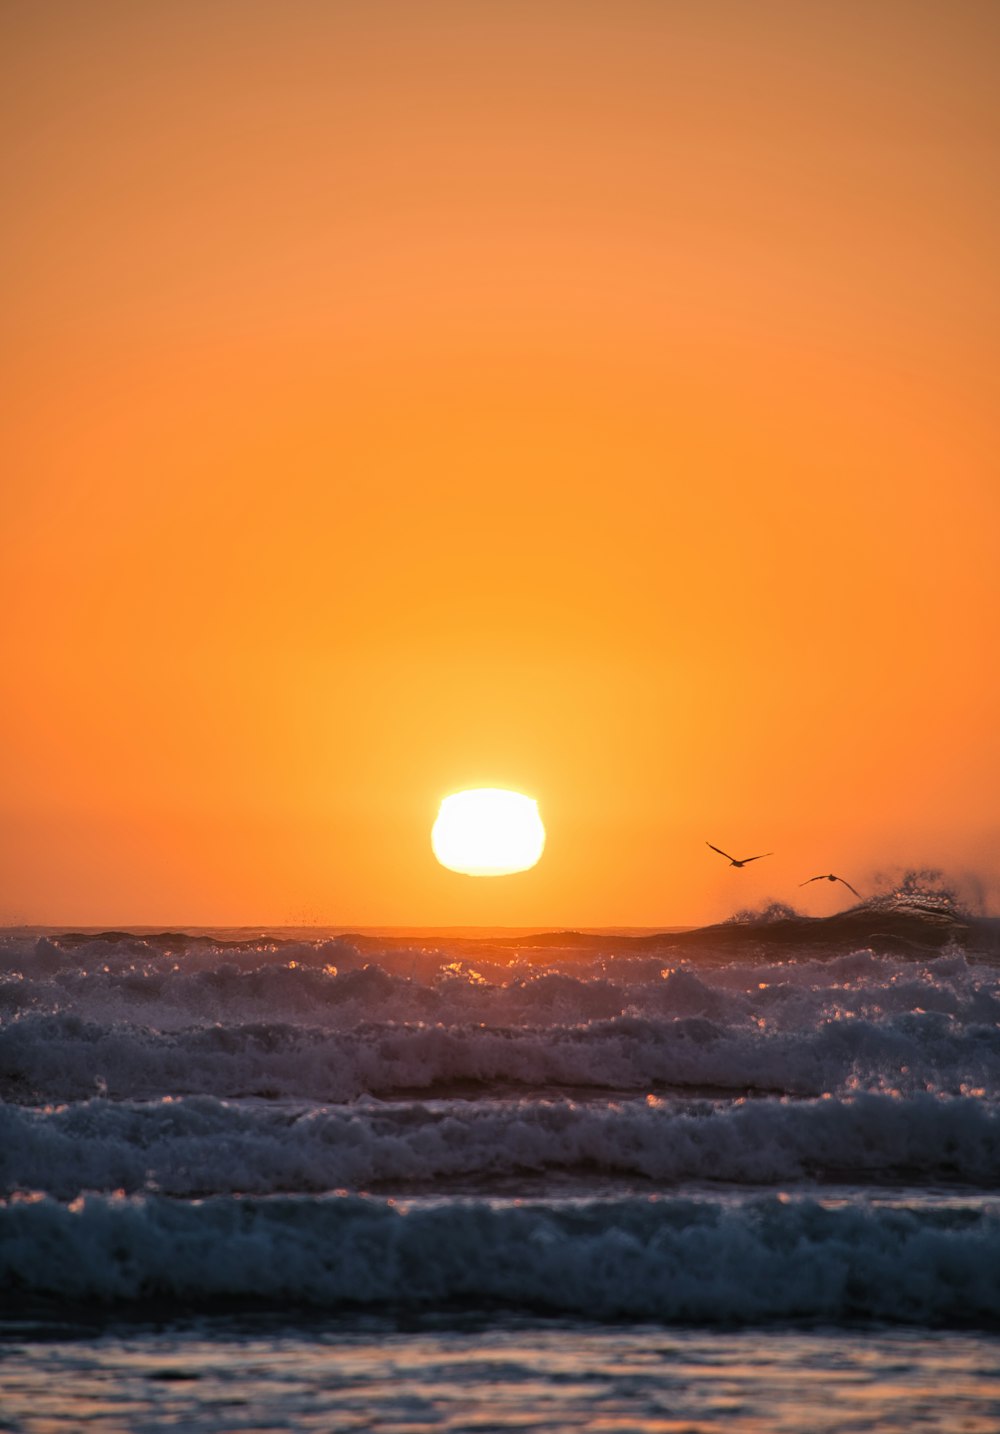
<point x="849" y="887"/>
<point x="721" y="852"/>
<point x="757" y="858"/>
<point x="812" y="878"/>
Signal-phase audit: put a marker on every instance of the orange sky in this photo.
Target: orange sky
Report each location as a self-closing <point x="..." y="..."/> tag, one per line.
<point x="596" y="399"/>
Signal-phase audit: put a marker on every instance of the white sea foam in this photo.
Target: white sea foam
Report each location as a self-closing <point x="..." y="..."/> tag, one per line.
<point x="225" y="1090"/>
<point x="61" y="1057"/>
<point x="328" y="1022"/>
<point x="188" y="1146"/>
<point x="666" y="1259"/>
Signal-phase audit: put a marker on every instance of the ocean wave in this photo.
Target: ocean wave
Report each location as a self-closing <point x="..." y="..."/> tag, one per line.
<point x="196" y="1145"/>
<point x="765" y="1259"/>
<point x="136" y="983"/>
<point x="47" y="1058"/>
<point x="914" y="917"/>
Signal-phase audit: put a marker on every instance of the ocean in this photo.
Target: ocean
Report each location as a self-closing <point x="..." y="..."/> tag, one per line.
<point x="743" y="1177"/>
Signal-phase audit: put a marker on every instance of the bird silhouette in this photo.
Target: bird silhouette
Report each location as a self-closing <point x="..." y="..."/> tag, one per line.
<point x="732" y="859"/>
<point x="829" y="876"/>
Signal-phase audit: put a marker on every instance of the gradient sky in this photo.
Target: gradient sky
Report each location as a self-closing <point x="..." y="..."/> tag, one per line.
<point x="595" y="399"/>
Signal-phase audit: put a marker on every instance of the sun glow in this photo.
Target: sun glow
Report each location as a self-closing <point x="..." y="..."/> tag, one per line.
<point x="488" y="832"/>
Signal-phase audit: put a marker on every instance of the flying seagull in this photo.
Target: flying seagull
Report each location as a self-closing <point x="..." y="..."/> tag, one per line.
<point x="732" y="860"/>
<point x="829" y="876"/>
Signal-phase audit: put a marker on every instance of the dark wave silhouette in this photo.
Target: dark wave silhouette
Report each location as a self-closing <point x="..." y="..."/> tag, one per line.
<point x="897" y="933"/>
<point x="918" y="914"/>
<point x="900" y="924"/>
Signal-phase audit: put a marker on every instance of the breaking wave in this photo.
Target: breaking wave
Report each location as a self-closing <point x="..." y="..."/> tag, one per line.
<point x="776" y="1118"/>
<point x="707" y="1261"/>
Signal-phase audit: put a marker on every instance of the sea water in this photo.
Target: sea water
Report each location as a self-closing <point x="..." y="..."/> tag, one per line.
<point x="744" y="1178"/>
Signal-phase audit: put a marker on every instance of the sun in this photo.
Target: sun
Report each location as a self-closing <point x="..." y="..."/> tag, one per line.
<point x="488" y="832"/>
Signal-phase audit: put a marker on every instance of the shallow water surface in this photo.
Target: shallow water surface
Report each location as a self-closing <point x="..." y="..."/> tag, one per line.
<point x="215" y="1376"/>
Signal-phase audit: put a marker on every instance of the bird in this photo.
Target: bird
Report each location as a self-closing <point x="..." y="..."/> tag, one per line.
<point x="733" y="861"/>
<point x="829" y="876"/>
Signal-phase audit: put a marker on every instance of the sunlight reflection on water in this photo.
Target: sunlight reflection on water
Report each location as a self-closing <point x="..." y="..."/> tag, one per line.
<point x="212" y="1377"/>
